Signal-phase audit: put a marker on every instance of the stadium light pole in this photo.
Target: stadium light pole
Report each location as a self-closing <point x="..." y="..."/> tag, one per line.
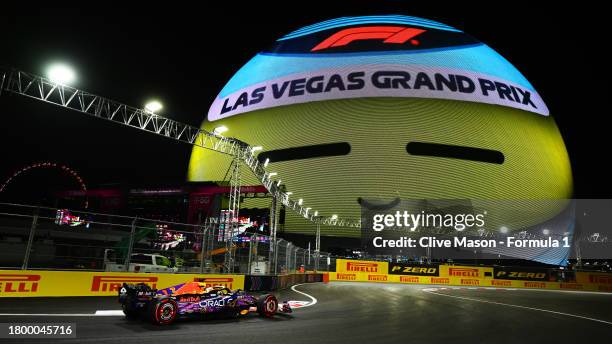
<point x="153" y="106"/>
<point x="317" y="242"/>
<point x="60" y="73"/>
<point x="220" y="130"/>
<point x="269" y="182"/>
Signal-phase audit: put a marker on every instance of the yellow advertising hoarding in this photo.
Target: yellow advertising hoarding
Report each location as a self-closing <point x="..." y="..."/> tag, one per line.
<point x="360" y="270"/>
<point x="457" y="275"/>
<point x="31" y="283"/>
<point x="602" y="280"/>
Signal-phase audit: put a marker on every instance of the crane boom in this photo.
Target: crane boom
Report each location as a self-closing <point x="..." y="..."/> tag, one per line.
<point x="43" y="89"/>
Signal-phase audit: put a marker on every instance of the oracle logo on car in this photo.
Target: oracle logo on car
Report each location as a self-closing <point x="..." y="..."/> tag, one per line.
<point x="463" y="272"/>
<point x="361" y="267"/>
<point x="389" y="34"/>
<point x="14" y="283"/>
<point x="213" y="303"/>
<point x="113" y="283"/>
<point x="216" y="281"/>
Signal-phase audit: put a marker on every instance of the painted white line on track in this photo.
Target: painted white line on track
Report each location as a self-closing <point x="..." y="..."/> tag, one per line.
<point x="524" y="307"/>
<point x="49" y="315"/>
<point x="102" y="313"/>
<point x="562" y="291"/>
<point x="110" y="313"/>
<point x="314" y="300"/>
<point x="297" y="304"/>
<point x="524" y="289"/>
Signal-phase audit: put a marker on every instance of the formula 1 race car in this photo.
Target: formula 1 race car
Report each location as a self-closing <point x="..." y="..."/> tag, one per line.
<point x="163" y="306"/>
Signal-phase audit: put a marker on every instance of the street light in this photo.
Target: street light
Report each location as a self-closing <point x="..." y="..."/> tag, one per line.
<point x="300" y="201"/>
<point x="256" y="148"/>
<point x="61" y="74"/>
<point x="153" y="106"/>
<point x="266" y="162"/>
<point x="220" y="130"/>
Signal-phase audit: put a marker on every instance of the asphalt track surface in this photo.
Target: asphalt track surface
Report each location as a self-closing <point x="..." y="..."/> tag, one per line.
<point x="355" y="313"/>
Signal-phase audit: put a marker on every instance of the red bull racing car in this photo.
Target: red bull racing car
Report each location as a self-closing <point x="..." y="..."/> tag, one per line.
<point x="163" y="306"/>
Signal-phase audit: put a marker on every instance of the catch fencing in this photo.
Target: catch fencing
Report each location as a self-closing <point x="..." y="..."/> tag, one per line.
<point x="62" y="239"/>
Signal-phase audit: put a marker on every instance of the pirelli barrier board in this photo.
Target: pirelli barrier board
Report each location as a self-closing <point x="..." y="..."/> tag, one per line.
<point x="31" y="283"/>
<point x="473" y="276"/>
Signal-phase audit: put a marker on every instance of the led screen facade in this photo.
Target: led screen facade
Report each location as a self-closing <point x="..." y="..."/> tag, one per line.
<point x="387" y="107"/>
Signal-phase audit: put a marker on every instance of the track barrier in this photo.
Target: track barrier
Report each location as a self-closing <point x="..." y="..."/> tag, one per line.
<point x="470" y="276"/>
<point x="33" y="283"/>
<point x="39" y="283"/>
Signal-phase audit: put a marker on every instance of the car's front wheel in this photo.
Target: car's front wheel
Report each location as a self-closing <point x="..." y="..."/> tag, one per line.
<point x="267" y="305"/>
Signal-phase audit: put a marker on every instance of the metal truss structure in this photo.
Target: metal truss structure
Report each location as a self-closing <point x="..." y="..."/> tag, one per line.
<point x="43" y="89"/>
<point x="231" y="225"/>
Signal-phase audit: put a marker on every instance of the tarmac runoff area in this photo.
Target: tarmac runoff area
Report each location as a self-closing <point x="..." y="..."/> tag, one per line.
<point x="349" y="312"/>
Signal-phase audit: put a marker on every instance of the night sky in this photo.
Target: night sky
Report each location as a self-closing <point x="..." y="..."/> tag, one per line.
<point x="184" y="55"/>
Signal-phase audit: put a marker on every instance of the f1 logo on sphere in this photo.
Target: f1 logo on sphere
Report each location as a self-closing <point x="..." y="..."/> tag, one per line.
<point x="389" y="34"/>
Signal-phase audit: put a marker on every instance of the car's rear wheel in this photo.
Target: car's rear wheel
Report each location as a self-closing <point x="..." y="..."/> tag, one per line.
<point x="163" y="312"/>
<point x="267" y="305"/>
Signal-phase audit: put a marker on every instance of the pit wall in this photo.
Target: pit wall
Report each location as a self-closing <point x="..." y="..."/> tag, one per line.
<point x="33" y="283"/>
<point x="469" y="276"/>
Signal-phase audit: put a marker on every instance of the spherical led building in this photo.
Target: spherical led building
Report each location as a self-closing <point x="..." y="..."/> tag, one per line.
<point x="381" y="107"/>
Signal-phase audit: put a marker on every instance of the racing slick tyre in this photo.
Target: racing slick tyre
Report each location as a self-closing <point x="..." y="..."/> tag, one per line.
<point x="163" y="312"/>
<point x="267" y="305"/>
